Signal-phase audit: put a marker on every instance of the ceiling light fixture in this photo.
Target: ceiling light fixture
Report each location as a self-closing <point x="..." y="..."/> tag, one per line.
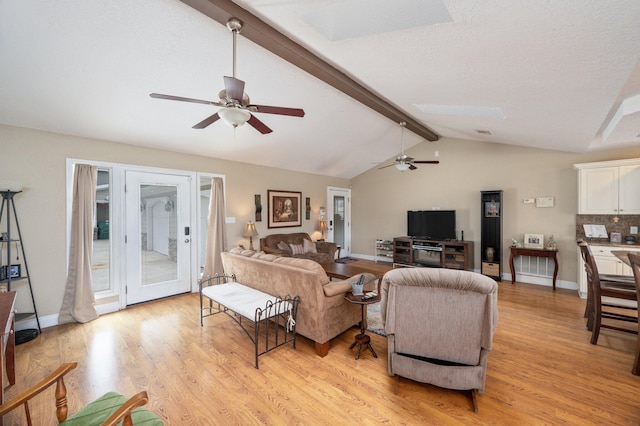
<point x="402" y="166"/>
<point x="234" y="117"/>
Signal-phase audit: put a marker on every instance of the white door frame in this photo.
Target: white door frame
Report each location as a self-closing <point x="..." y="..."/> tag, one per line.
<point x="332" y="192"/>
<point x="157" y="209"/>
<point x="117" y="227"/>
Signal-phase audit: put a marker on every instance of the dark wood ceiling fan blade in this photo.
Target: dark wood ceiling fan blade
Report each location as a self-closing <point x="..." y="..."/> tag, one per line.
<point x="267" y="109"/>
<point x="412" y="167"/>
<point x="259" y="125"/>
<point x="180" y="98"/>
<point x="207" y="121"/>
<point x="234" y="88"/>
<point x="426" y="162"/>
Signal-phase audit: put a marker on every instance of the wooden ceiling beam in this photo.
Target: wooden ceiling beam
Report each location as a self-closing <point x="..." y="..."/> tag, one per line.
<point x="269" y="38"/>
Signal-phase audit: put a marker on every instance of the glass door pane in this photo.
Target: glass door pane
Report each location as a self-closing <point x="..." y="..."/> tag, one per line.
<point x="101" y="257"/>
<point x="338" y="220"/>
<point x="158" y="236"/>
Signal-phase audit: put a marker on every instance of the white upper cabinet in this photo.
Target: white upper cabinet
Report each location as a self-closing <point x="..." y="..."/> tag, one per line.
<point x="609" y="187"/>
<point x="629" y="196"/>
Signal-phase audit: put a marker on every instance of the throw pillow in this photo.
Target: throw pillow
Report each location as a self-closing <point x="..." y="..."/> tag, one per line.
<point x="309" y="246"/>
<point x="284" y="246"/>
<point x="296" y="249"/>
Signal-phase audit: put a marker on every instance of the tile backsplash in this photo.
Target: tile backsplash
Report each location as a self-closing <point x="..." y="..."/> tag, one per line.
<point x="613" y="223"/>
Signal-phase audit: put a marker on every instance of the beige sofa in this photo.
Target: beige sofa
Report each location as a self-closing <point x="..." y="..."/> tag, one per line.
<point x="325" y="251"/>
<point x="323" y="312"/>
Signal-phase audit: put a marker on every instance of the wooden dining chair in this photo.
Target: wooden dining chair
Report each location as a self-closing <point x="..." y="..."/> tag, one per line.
<point x="634" y="260"/>
<point x="599" y="309"/>
<point x="110" y="409"/>
<point x="612" y="279"/>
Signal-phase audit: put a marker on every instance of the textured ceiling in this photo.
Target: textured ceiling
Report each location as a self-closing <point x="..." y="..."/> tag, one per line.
<point x="542" y="74"/>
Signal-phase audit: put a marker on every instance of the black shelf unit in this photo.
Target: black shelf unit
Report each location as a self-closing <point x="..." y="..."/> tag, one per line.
<point x="14" y="273"/>
<point x="491" y="233"/>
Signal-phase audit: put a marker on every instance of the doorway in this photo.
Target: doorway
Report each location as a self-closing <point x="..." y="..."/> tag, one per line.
<point x="339" y="218"/>
<point x="157" y="235"/>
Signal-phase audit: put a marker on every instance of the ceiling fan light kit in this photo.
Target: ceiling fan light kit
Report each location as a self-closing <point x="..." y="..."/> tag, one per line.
<point x="235" y="106"/>
<point x="234" y="117"/>
<point x="404" y="162"/>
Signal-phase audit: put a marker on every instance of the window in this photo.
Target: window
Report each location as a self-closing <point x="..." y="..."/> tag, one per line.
<point x="101" y="260"/>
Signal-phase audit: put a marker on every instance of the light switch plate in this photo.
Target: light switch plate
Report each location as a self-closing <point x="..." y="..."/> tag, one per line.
<point x="528" y="200"/>
<point x="545" y="202"/>
<point x="633" y="230"/>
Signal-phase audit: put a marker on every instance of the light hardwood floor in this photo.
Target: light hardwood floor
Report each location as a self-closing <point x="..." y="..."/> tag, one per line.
<point x="542" y="371"/>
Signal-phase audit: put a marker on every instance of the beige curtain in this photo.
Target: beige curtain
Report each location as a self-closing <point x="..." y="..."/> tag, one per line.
<point x="217" y="230"/>
<point x="78" y="302"/>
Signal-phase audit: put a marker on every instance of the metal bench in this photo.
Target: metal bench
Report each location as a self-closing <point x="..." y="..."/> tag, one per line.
<point x="269" y="317"/>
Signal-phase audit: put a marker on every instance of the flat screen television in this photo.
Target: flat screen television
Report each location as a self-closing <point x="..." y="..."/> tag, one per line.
<point x="432" y="224"/>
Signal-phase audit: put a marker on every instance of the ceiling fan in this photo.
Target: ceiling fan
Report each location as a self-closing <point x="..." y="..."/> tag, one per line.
<point x="236" y="109"/>
<point x="404" y="162"/>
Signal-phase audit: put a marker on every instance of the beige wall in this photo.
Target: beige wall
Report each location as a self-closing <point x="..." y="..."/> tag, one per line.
<point x="381" y="198"/>
<point x="38" y="159"/>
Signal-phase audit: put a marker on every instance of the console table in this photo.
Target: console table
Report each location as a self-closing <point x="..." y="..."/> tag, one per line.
<point x="7" y="348"/>
<point x="534" y="252"/>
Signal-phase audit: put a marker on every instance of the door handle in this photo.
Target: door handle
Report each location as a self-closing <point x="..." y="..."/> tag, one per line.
<point x="186" y="240"/>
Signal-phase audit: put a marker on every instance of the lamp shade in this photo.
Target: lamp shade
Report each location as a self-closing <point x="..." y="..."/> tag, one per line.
<point x="234" y="116"/>
<point x="250" y="230"/>
<point x="402" y="166"/>
<point x="322" y="225"/>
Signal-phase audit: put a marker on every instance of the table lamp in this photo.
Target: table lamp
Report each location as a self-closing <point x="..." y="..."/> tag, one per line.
<point x="250" y="231"/>
<point x="322" y="225"/>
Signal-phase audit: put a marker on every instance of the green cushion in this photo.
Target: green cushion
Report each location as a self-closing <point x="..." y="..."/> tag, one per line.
<point x="100" y="409"/>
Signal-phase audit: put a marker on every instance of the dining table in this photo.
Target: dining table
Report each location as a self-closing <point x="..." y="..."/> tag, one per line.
<point x="623" y="255"/>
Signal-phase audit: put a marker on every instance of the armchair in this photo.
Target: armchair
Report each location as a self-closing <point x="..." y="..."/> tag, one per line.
<point x="439" y="325"/>
<point x="109" y="410"/>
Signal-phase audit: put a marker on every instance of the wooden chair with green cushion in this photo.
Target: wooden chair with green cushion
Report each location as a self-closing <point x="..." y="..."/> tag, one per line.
<point x="109" y="410"/>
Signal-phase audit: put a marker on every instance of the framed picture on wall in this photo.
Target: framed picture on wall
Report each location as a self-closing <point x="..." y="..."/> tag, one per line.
<point x="284" y="208"/>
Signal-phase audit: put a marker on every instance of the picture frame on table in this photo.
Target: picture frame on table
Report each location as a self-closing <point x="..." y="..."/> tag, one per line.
<point x="284" y="208"/>
<point x="10" y="271"/>
<point x="534" y="241"/>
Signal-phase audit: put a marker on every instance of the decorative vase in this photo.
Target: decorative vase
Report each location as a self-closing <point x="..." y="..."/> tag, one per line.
<point x="356" y="289"/>
<point x="489" y="253"/>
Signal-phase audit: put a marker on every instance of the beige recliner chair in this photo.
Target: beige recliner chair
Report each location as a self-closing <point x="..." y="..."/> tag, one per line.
<point x="439" y="325"/>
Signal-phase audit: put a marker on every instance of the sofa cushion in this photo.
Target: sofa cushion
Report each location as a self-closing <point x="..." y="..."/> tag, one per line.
<point x="284" y="246"/>
<point x="242" y="251"/>
<point x="296" y="249"/>
<point x="264" y="256"/>
<point x="309" y="246"/>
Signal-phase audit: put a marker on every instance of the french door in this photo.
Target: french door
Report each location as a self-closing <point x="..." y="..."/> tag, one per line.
<point x="157" y="235"/>
<point x="339" y="218"/>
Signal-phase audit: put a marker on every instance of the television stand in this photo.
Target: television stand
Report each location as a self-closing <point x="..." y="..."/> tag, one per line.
<point x="419" y="252"/>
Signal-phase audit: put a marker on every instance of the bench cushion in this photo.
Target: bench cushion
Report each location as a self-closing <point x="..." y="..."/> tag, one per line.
<point x="241" y="299"/>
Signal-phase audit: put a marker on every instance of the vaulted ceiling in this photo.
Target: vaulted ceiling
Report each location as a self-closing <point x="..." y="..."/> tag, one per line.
<point x="557" y="74"/>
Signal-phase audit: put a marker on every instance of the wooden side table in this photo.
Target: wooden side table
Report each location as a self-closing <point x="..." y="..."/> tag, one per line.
<point x="363" y="339"/>
<point x="7" y="349"/>
<point x="534" y="252"/>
